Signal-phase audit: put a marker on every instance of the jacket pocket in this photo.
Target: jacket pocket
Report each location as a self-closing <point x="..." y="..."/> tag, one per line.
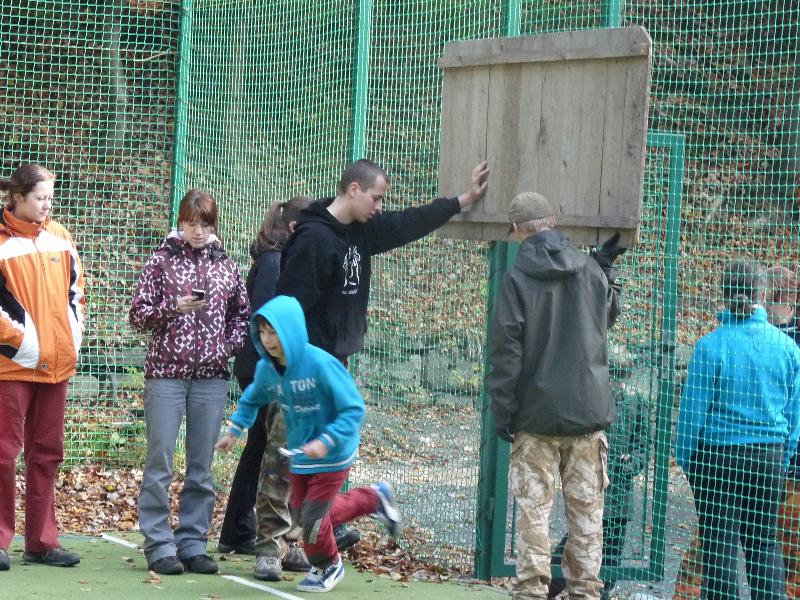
<point x="603" y="462"/>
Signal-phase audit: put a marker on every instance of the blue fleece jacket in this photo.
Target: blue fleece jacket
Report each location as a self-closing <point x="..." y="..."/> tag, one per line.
<point x="743" y="387"/>
<point x="318" y="396"/>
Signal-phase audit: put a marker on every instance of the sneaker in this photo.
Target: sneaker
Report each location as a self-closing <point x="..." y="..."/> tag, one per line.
<point x="268" y="568"/>
<point x="325" y="580"/>
<point x="202" y="564"/>
<point x="5" y="562"/>
<point x="169" y="565"/>
<point x="387" y="509"/>
<point x="295" y="559"/>
<point x="345" y="538"/>
<point x="248" y="547"/>
<point x="55" y="557"/>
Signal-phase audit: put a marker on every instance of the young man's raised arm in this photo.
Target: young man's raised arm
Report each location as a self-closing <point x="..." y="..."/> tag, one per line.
<point x="396" y="228"/>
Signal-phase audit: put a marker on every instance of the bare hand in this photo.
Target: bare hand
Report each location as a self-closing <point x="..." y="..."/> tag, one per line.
<point x="226" y="443"/>
<point x="188" y="304"/>
<point x="477" y="186"/>
<point x="315" y="449"/>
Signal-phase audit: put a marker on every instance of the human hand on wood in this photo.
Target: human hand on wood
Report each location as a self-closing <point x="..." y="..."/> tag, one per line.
<point x="477" y="186"/>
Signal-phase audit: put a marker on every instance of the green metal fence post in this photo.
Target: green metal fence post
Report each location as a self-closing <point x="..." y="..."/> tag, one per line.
<point x="181" y="108"/>
<point x="611" y="13"/>
<point x="669" y="325"/>
<point x="358" y="133"/>
<point x="487" y="469"/>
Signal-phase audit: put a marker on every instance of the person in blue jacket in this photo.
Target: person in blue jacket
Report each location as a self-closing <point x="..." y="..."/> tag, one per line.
<point x="324" y="411"/>
<point x="738" y="427"/>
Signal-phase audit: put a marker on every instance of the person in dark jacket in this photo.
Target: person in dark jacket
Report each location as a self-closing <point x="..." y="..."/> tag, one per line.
<point x="326" y="264"/>
<point x="549" y="386"/>
<point x="191" y="296"/>
<point x="239" y="532"/>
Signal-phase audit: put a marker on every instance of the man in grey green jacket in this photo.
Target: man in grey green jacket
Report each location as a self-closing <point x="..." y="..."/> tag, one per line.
<point x="549" y="385"/>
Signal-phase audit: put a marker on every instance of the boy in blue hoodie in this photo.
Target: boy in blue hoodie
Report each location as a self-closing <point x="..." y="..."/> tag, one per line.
<point x="324" y="411"/>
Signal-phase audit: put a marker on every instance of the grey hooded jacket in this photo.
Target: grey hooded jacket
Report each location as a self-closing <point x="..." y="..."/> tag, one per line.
<point x="547" y="344"/>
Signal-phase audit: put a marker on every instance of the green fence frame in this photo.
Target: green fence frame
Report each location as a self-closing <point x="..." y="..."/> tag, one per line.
<point x="493" y="497"/>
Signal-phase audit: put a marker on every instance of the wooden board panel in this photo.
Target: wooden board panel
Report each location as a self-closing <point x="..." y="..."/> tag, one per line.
<point x="563" y="114"/>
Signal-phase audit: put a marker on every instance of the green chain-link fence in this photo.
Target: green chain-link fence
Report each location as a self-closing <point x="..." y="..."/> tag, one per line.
<point x="274" y="97"/>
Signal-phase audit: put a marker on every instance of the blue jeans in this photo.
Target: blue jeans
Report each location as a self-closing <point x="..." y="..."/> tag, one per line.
<point x="166" y="401"/>
<point x="737" y="492"/>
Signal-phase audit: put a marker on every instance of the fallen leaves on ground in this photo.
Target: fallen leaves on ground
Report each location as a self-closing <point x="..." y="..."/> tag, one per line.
<point x="93" y="499"/>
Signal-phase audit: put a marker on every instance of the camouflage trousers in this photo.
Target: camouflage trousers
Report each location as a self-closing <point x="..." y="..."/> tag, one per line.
<point x="581" y="462"/>
<point x="273" y="520"/>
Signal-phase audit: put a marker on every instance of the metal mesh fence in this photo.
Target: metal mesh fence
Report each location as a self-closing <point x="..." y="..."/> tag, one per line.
<point x="271" y="105"/>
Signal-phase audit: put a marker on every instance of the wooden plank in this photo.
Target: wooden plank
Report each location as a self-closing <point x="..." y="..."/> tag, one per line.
<point x="562" y="46"/>
<point x="571" y="130"/>
<point x="529" y="132"/>
<point x="580" y="236"/>
<point x="568" y="220"/>
<point x="612" y="136"/>
<point x="592" y="119"/>
<point x="464" y="129"/>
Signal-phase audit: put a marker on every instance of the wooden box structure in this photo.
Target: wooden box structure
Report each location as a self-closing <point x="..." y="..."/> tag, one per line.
<point x="562" y="114"/>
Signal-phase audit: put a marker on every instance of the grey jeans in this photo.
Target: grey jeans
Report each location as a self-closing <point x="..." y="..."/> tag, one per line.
<point x="166" y="401"/>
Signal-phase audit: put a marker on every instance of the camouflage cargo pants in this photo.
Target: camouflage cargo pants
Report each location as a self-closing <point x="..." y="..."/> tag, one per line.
<point x="273" y="521"/>
<point x="581" y="462"/>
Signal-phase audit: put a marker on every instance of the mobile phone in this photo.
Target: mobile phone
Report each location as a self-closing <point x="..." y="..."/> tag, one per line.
<point x="198" y="294"/>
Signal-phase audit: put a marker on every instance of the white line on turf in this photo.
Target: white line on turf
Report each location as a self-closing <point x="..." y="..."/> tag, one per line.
<point x="117" y="540"/>
<point x="234" y="578"/>
<point x="263" y="588"/>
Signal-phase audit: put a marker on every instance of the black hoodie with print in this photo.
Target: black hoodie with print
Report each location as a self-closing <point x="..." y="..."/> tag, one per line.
<point x="327" y="265"/>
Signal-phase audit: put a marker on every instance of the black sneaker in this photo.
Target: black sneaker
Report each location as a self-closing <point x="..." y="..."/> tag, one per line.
<point x="248" y="547"/>
<point x="5" y="562"/>
<point x="202" y="564"/>
<point x="345" y="537"/>
<point x="169" y="565"/>
<point x="55" y="557"/>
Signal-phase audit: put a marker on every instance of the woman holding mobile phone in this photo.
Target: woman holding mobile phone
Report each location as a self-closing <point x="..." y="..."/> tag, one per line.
<point x="191" y="296"/>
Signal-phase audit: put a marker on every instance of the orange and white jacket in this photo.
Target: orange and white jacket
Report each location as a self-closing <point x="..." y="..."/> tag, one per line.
<point x="41" y="301"/>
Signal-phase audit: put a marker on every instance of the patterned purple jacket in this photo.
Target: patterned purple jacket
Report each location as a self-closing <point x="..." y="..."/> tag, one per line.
<point x="197" y="345"/>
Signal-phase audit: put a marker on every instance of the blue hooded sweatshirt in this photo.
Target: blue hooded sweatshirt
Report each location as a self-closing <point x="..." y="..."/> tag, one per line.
<point x="743" y="387"/>
<point x="318" y="396"/>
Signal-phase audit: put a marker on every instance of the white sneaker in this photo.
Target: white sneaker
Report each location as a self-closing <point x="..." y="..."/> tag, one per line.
<point x="322" y="581"/>
<point x="387" y="512"/>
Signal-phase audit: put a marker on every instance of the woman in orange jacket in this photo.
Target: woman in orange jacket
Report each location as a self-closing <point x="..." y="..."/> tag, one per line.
<point x="41" y="326"/>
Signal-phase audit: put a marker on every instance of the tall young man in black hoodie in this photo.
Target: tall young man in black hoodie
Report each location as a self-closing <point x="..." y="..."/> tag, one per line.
<point x="549" y="385"/>
<point x="326" y="264"/>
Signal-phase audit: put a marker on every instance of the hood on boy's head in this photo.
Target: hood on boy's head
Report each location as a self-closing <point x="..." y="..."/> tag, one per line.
<point x="286" y="316"/>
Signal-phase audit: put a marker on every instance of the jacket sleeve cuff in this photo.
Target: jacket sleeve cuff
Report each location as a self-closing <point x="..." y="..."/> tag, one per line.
<point x="235" y="430"/>
<point x="328" y="441"/>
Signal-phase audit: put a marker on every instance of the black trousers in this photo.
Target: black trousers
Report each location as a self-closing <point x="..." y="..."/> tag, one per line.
<point x="239" y="525"/>
<point x="737" y="493"/>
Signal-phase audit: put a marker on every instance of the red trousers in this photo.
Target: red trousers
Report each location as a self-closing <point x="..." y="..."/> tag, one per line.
<point x="31" y="415"/>
<point x="318" y="507"/>
<point x="789" y="537"/>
